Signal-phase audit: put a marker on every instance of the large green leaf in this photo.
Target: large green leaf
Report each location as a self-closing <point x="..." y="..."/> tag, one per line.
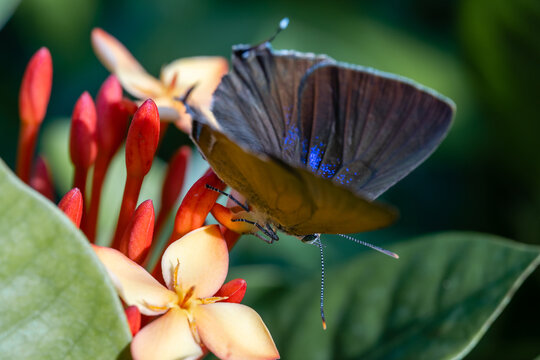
<point x="56" y="301"/>
<point x="435" y="302"/>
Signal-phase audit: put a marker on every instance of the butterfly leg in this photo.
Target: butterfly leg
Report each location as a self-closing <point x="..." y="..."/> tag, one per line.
<point x="266" y="231"/>
<point x="243" y="206"/>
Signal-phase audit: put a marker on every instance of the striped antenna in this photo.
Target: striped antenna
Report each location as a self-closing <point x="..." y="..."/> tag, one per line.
<point x="320" y="246"/>
<point x="381" y="250"/>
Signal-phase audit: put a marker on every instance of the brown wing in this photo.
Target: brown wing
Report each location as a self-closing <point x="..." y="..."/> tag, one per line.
<point x="296" y="200"/>
<point x="365" y="129"/>
<point x="255" y="104"/>
<point x="360" y="127"/>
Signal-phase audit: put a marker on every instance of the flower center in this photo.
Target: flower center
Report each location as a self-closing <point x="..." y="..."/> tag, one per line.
<point x="186" y="299"/>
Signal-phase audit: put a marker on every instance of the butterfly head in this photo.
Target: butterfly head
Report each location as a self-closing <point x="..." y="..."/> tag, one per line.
<point x="310" y="239"/>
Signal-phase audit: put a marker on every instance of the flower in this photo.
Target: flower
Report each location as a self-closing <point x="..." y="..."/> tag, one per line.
<point x="33" y="101"/>
<point x="194" y="269"/>
<point x="203" y="72"/>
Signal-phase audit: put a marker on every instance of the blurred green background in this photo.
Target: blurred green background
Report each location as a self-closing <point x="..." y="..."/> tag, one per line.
<point x="484" y="54"/>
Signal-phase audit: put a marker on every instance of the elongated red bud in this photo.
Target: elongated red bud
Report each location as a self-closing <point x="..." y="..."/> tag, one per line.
<point x="113" y="113"/>
<point x="234" y="290"/>
<point x="196" y="205"/>
<point x="36" y="88"/>
<point x="33" y="100"/>
<point x="82" y="142"/>
<point x="141" y="145"/>
<point x="138" y="236"/>
<point x="72" y="205"/>
<point x="41" y="179"/>
<point x="133" y="316"/>
<point x="173" y="183"/>
<point x="142" y="139"/>
<point x="112" y="117"/>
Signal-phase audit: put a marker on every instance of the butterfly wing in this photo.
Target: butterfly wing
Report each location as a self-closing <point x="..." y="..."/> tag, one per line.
<point x="335" y="134"/>
<point x="360" y="127"/>
<point x="286" y="196"/>
<point x="365" y="129"/>
<point x="256" y="102"/>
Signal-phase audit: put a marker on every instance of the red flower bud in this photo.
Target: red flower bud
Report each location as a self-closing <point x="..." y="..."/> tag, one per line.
<point x="112" y="117"/>
<point x="138" y="235"/>
<point x="113" y="113"/>
<point x="133" y="316"/>
<point x="72" y="205"/>
<point x="234" y="290"/>
<point x="36" y="88"/>
<point x="41" y="179"/>
<point x="196" y="205"/>
<point x="173" y="183"/>
<point x="142" y="140"/>
<point x="82" y="144"/>
<point x="33" y="100"/>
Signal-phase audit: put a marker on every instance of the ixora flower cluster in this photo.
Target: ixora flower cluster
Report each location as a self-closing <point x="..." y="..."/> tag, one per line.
<point x="183" y="306"/>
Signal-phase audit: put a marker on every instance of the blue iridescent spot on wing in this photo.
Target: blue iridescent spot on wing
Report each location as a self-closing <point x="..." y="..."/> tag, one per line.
<point x="344" y="178"/>
<point x="327" y="170"/>
<point x="315" y="156"/>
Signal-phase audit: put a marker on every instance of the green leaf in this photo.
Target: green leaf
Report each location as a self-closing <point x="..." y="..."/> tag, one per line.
<point x="56" y="299"/>
<point x="435" y="302"/>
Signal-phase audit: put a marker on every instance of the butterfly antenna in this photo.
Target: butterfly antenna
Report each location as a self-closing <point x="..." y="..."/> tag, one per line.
<point x="319" y="244"/>
<point x="243" y="206"/>
<point x="381" y="250"/>
<point x="282" y="26"/>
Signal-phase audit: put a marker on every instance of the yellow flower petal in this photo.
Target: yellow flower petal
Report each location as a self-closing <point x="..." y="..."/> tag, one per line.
<point x="234" y="332"/>
<point x="203" y="258"/>
<point x="134" y="285"/>
<point x="140" y="84"/>
<point x="112" y="53"/>
<point x="203" y="71"/>
<point x="168" y="108"/>
<point x="118" y="60"/>
<point x="168" y="337"/>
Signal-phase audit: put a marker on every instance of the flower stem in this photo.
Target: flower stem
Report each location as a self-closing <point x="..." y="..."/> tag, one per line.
<point x="129" y="203"/>
<point x="25" y="152"/>
<point x="90" y="221"/>
<point x="79" y="179"/>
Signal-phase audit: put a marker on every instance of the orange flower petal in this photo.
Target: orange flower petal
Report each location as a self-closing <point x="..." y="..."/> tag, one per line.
<point x="203" y="258"/>
<point x="234" y="331"/>
<point x="168" y="337"/>
<point x="134" y="285"/>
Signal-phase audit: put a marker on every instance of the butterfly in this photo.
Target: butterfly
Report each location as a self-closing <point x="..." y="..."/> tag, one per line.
<point x="311" y="142"/>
